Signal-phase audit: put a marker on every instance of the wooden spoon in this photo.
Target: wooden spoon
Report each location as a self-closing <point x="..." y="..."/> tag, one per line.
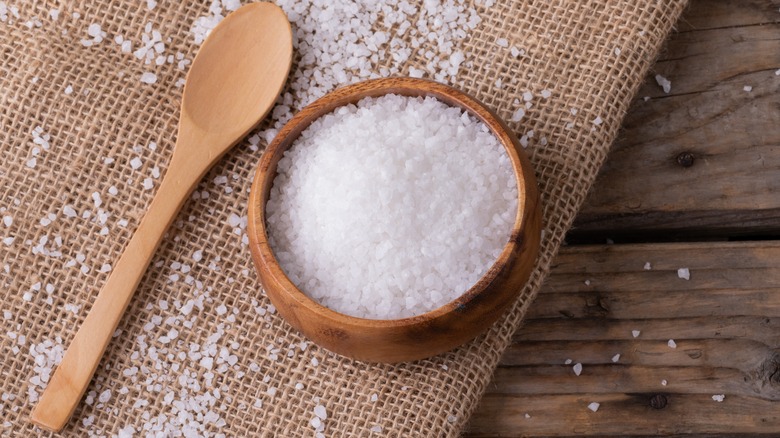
<point x="232" y="84"/>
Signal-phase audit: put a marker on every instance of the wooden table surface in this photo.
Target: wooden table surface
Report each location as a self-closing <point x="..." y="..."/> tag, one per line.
<point x="692" y="182"/>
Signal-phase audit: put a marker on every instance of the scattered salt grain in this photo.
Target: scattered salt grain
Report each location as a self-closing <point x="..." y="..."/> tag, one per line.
<point x="684" y="273"/>
<point x="387" y="155"/>
<point x="69" y="90"/>
<point x="617" y="51"/>
<point x="546" y="94"/>
<point x="8" y="220"/>
<point x="321" y="412"/>
<point x="148" y="77"/>
<point x="719" y="397"/>
<point x="616" y="358"/>
<point x="664" y="382"/>
<point x="148" y="184"/>
<point x="135" y="163"/>
<point x="97" y="199"/>
<point x="648" y="266"/>
<point x="664" y="83"/>
<point x="597" y="121"/>
<point x="96" y="34"/>
<point x="635" y="333"/>
<point x="671" y="343"/>
<point x="54" y="14"/>
<point x="197" y="255"/>
<point x="502" y="42"/>
<point x="777" y="72"/>
<point x="516" y="52"/>
<point x="518" y="115"/>
<point x="577" y="368"/>
<point x="748" y="88"/>
<point x="69" y="211"/>
<point x="104" y="396"/>
<point x="594" y="406"/>
<point x="376" y="429"/>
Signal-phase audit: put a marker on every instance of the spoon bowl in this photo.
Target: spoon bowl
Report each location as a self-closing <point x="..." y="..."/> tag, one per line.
<point x="234" y="80"/>
<point x="432" y="332"/>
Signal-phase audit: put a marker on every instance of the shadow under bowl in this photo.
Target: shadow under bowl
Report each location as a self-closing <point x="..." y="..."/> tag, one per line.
<point x="427" y="334"/>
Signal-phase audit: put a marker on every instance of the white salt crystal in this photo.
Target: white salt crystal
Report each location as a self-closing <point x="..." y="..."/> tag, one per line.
<point x="527" y="96"/>
<point x="635" y="333"/>
<point x="567" y="362"/>
<point x="748" y="88"/>
<point x="376" y="429"/>
<point x="8" y="220"/>
<point x="271" y="391"/>
<point x="597" y="121"/>
<point x="31" y="163"/>
<point x="68" y="90"/>
<point x="719" y="398"/>
<point x="671" y="343"/>
<point x="518" y="115"/>
<point x="546" y="94"/>
<point x="374" y="397"/>
<point x="616" y="358"/>
<point x="502" y="42"/>
<point x="197" y="255"/>
<point x="684" y="273"/>
<point x="97" y="199"/>
<point x="378" y="143"/>
<point x="104" y="396"/>
<point x="617" y="51"/>
<point x="135" y="163"/>
<point x="664" y="83"/>
<point x="577" y="368"/>
<point x="594" y="406"/>
<point x="148" y="78"/>
<point x="648" y="266"/>
<point x="664" y="382"/>
<point x="148" y="184"/>
<point x="320" y="412"/>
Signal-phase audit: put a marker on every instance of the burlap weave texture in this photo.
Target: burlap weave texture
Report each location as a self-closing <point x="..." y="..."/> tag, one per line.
<point x="591" y="55"/>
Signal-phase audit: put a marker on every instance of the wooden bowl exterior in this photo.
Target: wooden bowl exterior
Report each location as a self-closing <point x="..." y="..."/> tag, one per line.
<point x="420" y="336"/>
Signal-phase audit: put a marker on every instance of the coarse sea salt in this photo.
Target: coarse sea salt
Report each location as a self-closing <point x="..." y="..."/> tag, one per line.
<point x="392" y="207"/>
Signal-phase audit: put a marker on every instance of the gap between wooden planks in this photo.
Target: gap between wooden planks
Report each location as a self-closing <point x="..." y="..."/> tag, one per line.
<point x="725" y="322"/>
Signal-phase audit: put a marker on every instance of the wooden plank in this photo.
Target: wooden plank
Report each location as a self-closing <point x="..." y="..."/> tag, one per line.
<point x="729" y="186"/>
<point x="725" y="323"/>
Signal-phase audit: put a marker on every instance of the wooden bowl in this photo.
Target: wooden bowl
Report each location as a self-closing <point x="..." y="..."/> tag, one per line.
<point x="427" y="334"/>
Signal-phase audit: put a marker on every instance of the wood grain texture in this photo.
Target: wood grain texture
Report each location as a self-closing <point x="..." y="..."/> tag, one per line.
<point x="701" y="160"/>
<point x="254" y="42"/>
<point x="423" y="335"/>
<point x="725" y="322"/>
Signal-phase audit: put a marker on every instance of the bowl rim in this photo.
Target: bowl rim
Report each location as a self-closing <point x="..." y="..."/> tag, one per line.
<point x="285" y="138"/>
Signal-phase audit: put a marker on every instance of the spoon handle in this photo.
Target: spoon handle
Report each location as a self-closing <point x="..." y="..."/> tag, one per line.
<point x="74" y="373"/>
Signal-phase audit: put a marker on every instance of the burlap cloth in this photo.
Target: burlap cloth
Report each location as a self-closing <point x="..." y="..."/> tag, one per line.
<point x="591" y="55"/>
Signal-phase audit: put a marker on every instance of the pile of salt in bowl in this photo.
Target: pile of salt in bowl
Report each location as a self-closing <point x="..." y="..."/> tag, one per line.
<point x="391" y="207"/>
